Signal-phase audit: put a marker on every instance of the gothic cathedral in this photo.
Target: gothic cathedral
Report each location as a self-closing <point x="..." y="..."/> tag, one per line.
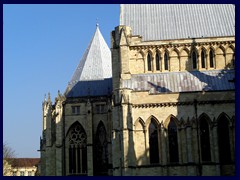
<point x="161" y="102"/>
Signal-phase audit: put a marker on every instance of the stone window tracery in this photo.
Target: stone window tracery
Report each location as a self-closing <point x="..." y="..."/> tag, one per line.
<point x="77" y="150"/>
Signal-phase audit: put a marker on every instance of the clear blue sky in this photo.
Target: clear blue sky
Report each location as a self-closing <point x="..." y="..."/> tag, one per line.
<point x="42" y="46"/>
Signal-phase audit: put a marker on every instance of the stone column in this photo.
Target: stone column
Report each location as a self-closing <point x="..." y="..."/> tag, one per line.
<point x="215" y="146"/>
<point x="189" y="144"/>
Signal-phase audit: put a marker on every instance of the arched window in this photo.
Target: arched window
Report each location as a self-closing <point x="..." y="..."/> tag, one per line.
<point x="166" y="61"/>
<point x="77" y="150"/>
<point x="101" y="151"/>
<point x="203" y="59"/>
<point x="149" y="61"/>
<point x="194" y="59"/>
<point x="211" y="58"/>
<point x="157" y="62"/>
<point x="223" y="140"/>
<point x="173" y="141"/>
<point x="204" y="140"/>
<point x="153" y="142"/>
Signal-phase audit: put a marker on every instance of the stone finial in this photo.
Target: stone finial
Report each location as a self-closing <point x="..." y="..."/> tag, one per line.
<point x="45" y="99"/>
<point x="49" y="97"/>
<point x="97" y="24"/>
<point x="59" y="94"/>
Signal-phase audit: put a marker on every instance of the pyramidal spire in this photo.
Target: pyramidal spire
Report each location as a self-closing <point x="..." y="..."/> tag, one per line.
<point x="96" y="61"/>
<point x="95" y="64"/>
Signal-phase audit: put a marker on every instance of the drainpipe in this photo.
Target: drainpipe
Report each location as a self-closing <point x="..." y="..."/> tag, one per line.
<point x="198" y="143"/>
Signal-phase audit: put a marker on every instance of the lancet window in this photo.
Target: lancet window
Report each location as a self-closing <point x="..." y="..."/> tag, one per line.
<point x="166" y="61"/>
<point x="149" y="62"/>
<point x="157" y="62"/>
<point x="205" y="140"/>
<point x="223" y="140"/>
<point x="194" y="59"/>
<point x="153" y="142"/>
<point x="173" y="141"/>
<point x="101" y="151"/>
<point x="211" y="58"/>
<point x="203" y="57"/>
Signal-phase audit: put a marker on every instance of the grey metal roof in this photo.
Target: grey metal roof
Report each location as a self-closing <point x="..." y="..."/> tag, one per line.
<point x="177" y="21"/>
<point x="211" y="80"/>
<point x="94" y="72"/>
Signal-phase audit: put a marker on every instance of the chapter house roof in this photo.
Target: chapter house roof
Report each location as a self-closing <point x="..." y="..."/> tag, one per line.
<point x="93" y="76"/>
<point x="177" y="21"/>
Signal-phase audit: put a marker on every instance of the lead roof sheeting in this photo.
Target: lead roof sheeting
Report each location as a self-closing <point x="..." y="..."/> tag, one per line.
<point x="91" y="88"/>
<point x="211" y="80"/>
<point x="177" y="21"/>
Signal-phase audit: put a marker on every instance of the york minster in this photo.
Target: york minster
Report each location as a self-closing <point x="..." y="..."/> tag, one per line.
<point x="159" y="102"/>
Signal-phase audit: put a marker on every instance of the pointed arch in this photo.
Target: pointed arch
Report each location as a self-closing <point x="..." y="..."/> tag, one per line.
<point x="140" y="54"/>
<point x="220" y="50"/>
<point x="184" y="52"/>
<point x="230" y="49"/>
<point x="223" y="114"/>
<point x="100" y="151"/>
<point x="139" y="124"/>
<point x="168" y="119"/>
<point x="204" y="121"/>
<point x="175" y="52"/>
<point x="148" y="121"/>
<point x="77" y="149"/>
<point x="223" y="123"/>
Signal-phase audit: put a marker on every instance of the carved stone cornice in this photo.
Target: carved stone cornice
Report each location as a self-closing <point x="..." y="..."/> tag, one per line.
<point x="168" y="104"/>
<point x="180" y="44"/>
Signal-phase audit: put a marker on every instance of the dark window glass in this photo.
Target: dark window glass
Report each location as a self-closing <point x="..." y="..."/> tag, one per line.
<point x="194" y="59"/>
<point x="211" y="56"/>
<point x="149" y="62"/>
<point x="153" y="142"/>
<point x="173" y="141"/>
<point x="204" y="140"/>
<point x="101" y="151"/>
<point x="166" y="61"/>
<point x="73" y="109"/>
<point x="224" y="141"/>
<point x="78" y="109"/>
<point x="203" y="58"/>
<point x="157" y="62"/>
<point x="77" y="150"/>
